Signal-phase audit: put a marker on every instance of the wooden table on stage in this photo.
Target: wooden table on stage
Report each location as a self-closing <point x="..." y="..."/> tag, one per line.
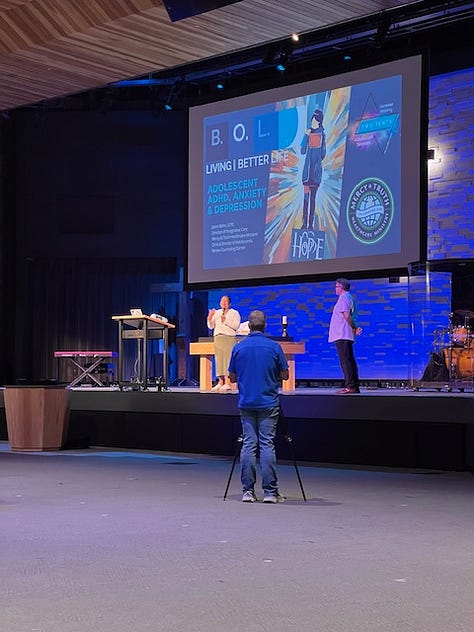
<point x="206" y="352"/>
<point x="142" y="329"/>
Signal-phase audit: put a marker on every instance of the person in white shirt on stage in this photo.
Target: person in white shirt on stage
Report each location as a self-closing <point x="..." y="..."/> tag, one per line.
<point x="224" y="322"/>
<point x="343" y="329"/>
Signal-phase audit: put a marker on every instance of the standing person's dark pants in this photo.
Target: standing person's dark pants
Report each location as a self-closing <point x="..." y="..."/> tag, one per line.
<point x="345" y="350"/>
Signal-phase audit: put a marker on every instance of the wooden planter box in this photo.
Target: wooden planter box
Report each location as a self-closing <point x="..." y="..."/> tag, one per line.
<point x="37" y="417"/>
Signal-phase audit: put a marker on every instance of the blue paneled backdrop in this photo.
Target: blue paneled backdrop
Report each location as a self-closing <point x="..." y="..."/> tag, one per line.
<point x="384" y="351"/>
<point x="451" y="173"/>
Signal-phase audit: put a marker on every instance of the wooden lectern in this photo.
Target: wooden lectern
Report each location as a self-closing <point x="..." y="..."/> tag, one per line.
<point x="142" y="329"/>
<point x="206" y="351"/>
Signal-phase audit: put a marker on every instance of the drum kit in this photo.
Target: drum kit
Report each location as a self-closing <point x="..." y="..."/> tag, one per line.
<point x="456" y="345"/>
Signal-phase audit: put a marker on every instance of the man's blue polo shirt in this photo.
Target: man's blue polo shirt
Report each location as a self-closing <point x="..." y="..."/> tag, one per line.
<point x="258" y="362"/>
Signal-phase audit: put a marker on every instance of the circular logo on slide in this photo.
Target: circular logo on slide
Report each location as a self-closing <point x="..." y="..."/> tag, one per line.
<point x="370" y="210"/>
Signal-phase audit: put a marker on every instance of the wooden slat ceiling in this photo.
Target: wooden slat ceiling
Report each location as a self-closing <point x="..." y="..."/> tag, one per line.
<point x="51" y="48"/>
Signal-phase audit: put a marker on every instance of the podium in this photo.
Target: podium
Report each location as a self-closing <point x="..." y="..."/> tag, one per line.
<point x="142" y="329"/>
<point x="206" y="352"/>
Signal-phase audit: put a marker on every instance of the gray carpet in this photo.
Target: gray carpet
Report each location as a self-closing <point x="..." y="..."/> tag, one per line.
<point x="131" y="542"/>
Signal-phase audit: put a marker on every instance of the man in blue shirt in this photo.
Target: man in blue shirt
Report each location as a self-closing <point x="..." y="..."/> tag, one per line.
<point x="258" y="365"/>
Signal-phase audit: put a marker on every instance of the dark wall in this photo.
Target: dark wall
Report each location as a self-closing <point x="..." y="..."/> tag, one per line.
<point x="88" y="184"/>
<point x="94" y="204"/>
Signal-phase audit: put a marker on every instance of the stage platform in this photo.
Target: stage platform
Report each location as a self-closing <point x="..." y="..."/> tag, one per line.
<point x="428" y="428"/>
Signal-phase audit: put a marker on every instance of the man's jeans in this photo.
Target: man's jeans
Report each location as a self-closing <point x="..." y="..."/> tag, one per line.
<point x="259" y="429"/>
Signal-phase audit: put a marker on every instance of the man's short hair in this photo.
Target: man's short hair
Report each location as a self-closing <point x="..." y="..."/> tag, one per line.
<point x="345" y="283"/>
<point x="257" y="320"/>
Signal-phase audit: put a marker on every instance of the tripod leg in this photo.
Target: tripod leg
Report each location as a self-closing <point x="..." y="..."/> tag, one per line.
<point x="289" y="441"/>
<point x="240" y="440"/>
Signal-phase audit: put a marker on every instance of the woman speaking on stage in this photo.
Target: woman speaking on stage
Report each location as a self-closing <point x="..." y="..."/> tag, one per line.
<point x="224" y="322"/>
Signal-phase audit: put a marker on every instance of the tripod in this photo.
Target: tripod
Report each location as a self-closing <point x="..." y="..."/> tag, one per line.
<point x="282" y="422"/>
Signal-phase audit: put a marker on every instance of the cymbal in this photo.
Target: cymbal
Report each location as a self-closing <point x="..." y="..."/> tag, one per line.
<point x="464" y="312"/>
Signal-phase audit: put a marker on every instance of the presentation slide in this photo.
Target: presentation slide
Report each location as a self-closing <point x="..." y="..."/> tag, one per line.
<point x="314" y="178"/>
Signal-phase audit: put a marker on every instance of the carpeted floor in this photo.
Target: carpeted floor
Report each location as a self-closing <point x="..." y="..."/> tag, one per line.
<point x="108" y="541"/>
